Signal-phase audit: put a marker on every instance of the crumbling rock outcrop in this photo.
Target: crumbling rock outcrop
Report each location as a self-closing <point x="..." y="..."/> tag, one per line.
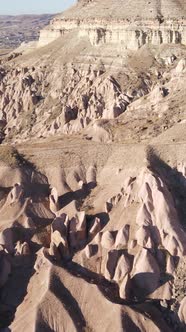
<point x="84" y="220"/>
<point x="127" y="24"/>
<point x="132" y="258"/>
<point x="26" y="102"/>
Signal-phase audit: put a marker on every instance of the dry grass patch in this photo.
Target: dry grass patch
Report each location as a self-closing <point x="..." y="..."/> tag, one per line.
<point x="11" y="157"/>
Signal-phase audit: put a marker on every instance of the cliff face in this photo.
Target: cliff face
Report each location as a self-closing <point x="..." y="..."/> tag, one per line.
<point x="129" y="23"/>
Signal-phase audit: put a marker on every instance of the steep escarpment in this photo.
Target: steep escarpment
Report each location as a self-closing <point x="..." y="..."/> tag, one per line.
<point x="131" y="24"/>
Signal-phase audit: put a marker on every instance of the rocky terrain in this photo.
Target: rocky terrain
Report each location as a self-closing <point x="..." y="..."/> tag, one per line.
<point x="93" y="172"/>
<point x="15" y="30"/>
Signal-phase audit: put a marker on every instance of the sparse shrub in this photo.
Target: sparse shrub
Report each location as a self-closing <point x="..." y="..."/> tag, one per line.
<point x="44" y="236"/>
<point x="88" y="208"/>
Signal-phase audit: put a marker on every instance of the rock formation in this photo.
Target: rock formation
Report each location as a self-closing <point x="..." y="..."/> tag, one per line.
<point x="131" y="24"/>
<point x="93" y="172"/>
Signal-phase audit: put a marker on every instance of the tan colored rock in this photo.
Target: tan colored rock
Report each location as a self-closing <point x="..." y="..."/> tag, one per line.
<point x="91" y="250"/>
<point x="143" y="217"/>
<point x="146" y="272"/>
<point x="108" y="207"/>
<point x="107" y="240"/>
<point x="119" y="26"/>
<point x="53" y="199"/>
<point x="22" y="249"/>
<point x="125" y="288"/>
<point x="182" y="311"/>
<point x="77" y="230"/>
<point x="91" y="175"/>
<point x="170" y="265"/>
<point x="15" y="194"/>
<point x="181" y="66"/>
<point x="111" y="263"/>
<point x="96" y="228"/>
<point x="122" y="237"/>
<point x="7" y="240"/>
<point x="124" y="267"/>
<point x="143" y="236"/>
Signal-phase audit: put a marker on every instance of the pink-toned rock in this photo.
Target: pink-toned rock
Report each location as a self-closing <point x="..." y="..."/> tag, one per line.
<point x="130" y="193"/>
<point x="108" y="207"/>
<point x="122" y="237"/>
<point x="171" y="245"/>
<point x="60" y="224"/>
<point x="143" y="216"/>
<point x="170" y="265"/>
<point x="112" y="258"/>
<point x="146" y="272"/>
<point x="54" y="193"/>
<point x="81" y="225"/>
<point x="98" y="237"/>
<point x="80" y="184"/>
<point x="59" y="238"/>
<point x="76" y="176"/>
<point x="16" y="193"/>
<point x="59" y="245"/>
<point x="53" y="201"/>
<point x="125" y="288"/>
<point x="142" y="236"/>
<point x="96" y="227"/>
<point x="28" y="222"/>
<point x="132" y="244"/>
<point x="91" y="175"/>
<point x="7" y="240"/>
<point x="22" y="249"/>
<point x="124" y="266"/>
<point x="182" y="311"/>
<point x="181" y="67"/>
<point x="160" y="205"/>
<point x="127" y="183"/>
<point x="167" y="291"/>
<point x="91" y="250"/>
<point x="107" y="240"/>
<point x="77" y="230"/>
<point x="149" y="243"/>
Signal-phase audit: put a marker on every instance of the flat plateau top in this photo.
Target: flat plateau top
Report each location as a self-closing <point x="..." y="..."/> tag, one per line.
<point x="127" y="9"/>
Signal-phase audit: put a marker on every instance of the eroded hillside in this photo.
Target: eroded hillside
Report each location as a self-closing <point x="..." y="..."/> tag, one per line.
<point x="93" y="175"/>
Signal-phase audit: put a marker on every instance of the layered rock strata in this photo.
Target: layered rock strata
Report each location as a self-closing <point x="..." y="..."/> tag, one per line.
<point x="126" y="23"/>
